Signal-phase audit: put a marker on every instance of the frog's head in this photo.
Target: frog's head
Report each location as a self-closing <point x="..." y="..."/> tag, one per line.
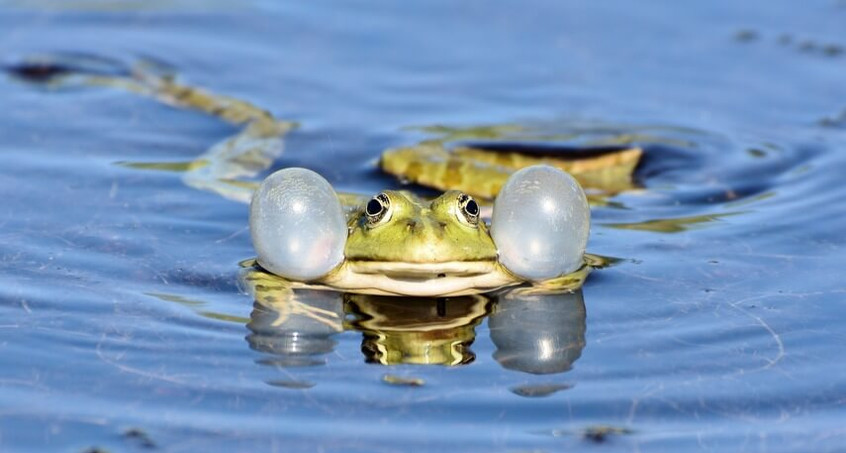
<point x="399" y="227"/>
<point x="399" y="244"/>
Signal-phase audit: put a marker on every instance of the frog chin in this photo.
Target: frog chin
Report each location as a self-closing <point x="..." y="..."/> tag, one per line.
<point x="425" y="271"/>
<point x="455" y="278"/>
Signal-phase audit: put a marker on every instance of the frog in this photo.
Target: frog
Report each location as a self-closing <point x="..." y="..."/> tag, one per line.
<point x="400" y="244"/>
<point x="394" y="243"/>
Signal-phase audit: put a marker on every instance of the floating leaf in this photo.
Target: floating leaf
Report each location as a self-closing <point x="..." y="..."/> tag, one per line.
<point x="672" y="225"/>
<point x="482" y="172"/>
<point x="393" y="379"/>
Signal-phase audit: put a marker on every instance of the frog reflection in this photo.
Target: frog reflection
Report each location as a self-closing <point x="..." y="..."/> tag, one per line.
<point x="295" y="328"/>
<point x="538" y="334"/>
<point x="534" y="333"/>
<point x="417" y="330"/>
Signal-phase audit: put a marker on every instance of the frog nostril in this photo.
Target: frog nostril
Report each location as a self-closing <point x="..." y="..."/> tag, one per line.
<point x="411" y="224"/>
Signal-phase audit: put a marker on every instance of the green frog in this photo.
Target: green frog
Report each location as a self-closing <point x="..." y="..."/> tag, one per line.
<point x="394" y="243"/>
<point x="399" y="244"/>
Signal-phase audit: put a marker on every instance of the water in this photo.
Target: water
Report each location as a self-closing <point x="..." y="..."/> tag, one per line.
<point x="124" y="325"/>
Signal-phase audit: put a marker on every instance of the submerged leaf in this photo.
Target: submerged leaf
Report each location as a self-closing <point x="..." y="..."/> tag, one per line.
<point x="672" y="225"/>
<point x="393" y="379"/>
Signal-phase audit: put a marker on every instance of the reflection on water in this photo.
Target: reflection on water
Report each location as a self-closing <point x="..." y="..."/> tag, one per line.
<point x="540" y="334"/>
<point x="295" y="328"/>
<point x="537" y="334"/>
<point x="417" y="330"/>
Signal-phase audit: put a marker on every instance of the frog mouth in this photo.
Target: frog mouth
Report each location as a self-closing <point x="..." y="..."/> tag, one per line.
<point x="423" y="271"/>
<point x="447" y="279"/>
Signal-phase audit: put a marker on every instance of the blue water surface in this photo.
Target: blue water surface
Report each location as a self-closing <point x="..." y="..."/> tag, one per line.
<point x="124" y="325"/>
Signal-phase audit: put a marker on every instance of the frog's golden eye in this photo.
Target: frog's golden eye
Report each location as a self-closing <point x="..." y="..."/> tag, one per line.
<point x="378" y="209"/>
<point x="468" y="208"/>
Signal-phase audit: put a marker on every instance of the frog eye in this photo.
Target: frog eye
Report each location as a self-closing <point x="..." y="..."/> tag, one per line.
<point x="297" y="225"/>
<point x="378" y="209"/>
<point x="469" y="209"/>
<point x="540" y="223"/>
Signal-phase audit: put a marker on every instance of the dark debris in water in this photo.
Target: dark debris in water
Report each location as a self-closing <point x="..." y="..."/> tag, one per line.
<point x="135" y="436"/>
<point x="602" y="433"/>
<point x="746" y="35"/>
<point x="785" y="39"/>
<point x="39" y="72"/>
<point x="46" y="68"/>
<point x="836" y="121"/>
<point x="539" y="390"/>
<point x="832" y="50"/>
<point x="139" y="437"/>
<point x="805" y="45"/>
<point x="294" y="385"/>
<point x="756" y="152"/>
<point x="598" y="434"/>
<point x="829" y="50"/>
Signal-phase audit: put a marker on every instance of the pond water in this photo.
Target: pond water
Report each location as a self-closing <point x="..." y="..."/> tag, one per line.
<point x="126" y="325"/>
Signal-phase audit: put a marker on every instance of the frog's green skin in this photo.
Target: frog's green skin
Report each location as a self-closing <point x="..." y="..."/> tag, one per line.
<point x="425" y="248"/>
<point x="420" y="247"/>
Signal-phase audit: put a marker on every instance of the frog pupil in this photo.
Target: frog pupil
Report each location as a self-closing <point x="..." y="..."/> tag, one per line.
<point x="472" y="208"/>
<point x="377" y="208"/>
<point x="469" y="208"/>
<point x="374" y="207"/>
